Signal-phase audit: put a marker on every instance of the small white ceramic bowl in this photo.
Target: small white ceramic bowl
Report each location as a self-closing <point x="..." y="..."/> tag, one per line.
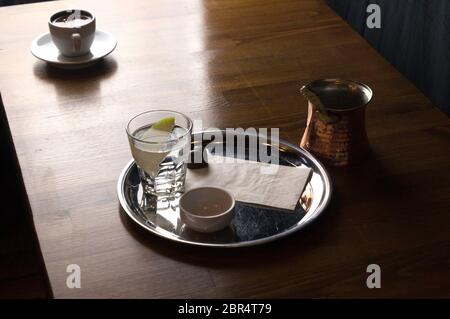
<point x="207" y="209"/>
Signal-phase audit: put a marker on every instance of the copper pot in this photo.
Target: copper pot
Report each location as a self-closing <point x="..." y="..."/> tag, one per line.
<point x="336" y="130"/>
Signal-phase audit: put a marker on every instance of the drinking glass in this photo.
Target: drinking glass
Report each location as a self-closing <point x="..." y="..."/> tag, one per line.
<point x="160" y="155"/>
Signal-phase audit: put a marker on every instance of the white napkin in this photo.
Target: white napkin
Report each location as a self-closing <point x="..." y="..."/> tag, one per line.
<point x="252" y="182"/>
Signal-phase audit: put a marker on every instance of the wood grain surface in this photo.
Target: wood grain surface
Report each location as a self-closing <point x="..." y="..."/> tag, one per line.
<point x="236" y="63"/>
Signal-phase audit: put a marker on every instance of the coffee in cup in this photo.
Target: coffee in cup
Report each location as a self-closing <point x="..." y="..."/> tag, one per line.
<point x="72" y="31"/>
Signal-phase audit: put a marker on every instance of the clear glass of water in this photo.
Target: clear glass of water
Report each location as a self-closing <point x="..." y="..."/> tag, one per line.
<point x="160" y="143"/>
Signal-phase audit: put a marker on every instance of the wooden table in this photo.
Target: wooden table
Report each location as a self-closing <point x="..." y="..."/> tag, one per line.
<point x="232" y="64"/>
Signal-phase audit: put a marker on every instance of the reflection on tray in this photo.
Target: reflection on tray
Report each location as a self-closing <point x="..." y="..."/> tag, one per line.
<point x="223" y="236"/>
<point x="252" y="222"/>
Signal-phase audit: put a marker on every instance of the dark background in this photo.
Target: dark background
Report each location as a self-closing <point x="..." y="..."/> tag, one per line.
<point x="12" y="2"/>
<point x="414" y="37"/>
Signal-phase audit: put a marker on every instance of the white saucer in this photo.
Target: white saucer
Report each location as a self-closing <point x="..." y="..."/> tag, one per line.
<point x="43" y="48"/>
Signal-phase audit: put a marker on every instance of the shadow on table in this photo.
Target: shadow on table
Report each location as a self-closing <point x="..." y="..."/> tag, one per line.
<point x="77" y="82"/>
<point x="104" y="68"/>
<point x="362" y="181"/>
<point x="242" y="257"/>
<point x="354" y="188"/>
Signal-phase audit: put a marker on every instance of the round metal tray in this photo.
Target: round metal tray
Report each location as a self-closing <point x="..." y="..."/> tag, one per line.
<point x="252" y="225"/>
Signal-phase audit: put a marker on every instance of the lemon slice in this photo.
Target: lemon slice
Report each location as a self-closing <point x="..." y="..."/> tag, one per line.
<point x="149" y="156"/>
<point x="160" y="130"/>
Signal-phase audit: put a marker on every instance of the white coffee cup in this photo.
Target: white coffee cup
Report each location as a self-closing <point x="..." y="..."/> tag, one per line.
<point x="72" y="31"/>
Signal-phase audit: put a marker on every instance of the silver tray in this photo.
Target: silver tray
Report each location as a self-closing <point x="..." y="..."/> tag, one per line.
<point x="252" y="225"/>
